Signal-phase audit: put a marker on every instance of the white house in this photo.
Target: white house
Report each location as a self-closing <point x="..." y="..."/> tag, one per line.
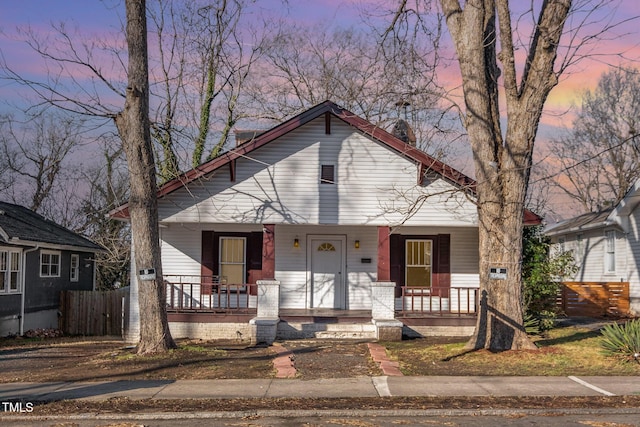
<point x="321" y="221"/>
<point x="606" y="245"/>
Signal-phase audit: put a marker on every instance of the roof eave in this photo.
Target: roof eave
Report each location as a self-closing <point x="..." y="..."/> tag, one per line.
<point x="47" y="245"/>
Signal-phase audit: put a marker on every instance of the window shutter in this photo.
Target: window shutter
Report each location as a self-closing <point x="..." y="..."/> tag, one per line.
<point x="442" y="276"/>
<point x="207" y="261"/>
<point x="396" y="261"/>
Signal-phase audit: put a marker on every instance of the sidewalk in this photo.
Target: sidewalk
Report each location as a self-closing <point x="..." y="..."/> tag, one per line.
<point x="383" y="386"/>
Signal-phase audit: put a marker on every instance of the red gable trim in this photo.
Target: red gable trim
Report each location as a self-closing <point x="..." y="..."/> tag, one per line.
<point x="426" y="162"/>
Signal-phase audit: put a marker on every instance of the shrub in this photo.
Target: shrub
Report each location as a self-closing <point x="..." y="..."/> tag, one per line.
<point x="622" y="339"/>
<point x="541" y="270"/>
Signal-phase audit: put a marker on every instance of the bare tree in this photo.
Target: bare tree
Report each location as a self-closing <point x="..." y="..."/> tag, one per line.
<point x="483" y="35"/>
<point x="109" y="189"/>
<point x="39" y="172"/>
<point x="382" y="80"/>
<point x="205" y="53"/>
<point x="598" y="159"/>
<point x="134" y="130"/>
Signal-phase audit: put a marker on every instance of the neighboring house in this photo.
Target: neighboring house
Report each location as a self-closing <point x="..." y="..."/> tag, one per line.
<point x="605" y="245"/>
<point x="330" y="216"/>
<point x="38" y="259"/>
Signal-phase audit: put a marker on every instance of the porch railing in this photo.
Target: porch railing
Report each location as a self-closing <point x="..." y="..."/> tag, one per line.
<point x="441" y="301"/>
<point x="209" y="294"/>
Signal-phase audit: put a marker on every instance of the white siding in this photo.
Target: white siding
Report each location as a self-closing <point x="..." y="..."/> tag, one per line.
<point x="292" y="269"/>
<point x="181" y="253"/>
<point x="633" y="260"/>
<point x="279" y="183"/>
<point x="181" y="245"/>
<point x="465" y="257"/>
<point x="591" y="267"/>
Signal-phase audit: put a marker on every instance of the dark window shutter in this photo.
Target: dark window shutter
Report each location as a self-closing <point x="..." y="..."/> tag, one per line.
<point x="442" y="270"/>
<point x="396" y="261"/>
<point x="254" y="251"/>
<point x="208" y="261"/>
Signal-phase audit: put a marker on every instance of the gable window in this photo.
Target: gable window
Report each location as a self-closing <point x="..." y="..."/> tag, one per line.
<point x="327" y="174"/>
<point x="418" y="269"/>
<point x="74" y="268"/>
<point x="233" y="260"/>
<point x="9" y="272"/>
<point x="610" y="251"/>
<point x="49" y="264"/>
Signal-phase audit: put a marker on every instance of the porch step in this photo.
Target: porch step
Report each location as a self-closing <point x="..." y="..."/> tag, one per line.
<point x="291" y="329"/>
<point x="347" y="331"/>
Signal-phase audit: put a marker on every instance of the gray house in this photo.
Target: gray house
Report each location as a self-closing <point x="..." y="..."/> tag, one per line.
<point x="38" y="259"/>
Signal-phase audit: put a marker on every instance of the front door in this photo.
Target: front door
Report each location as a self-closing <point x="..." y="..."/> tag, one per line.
<point x="328" y="267"/>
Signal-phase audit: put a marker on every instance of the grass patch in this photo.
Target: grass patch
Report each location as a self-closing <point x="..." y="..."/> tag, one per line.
<point x="562" y="352"/>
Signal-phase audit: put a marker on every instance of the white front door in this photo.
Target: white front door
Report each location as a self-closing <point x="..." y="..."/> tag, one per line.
<point x="328" y="267"/>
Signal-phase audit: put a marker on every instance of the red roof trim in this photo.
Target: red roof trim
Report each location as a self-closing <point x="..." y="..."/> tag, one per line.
<point x="426" y="162"/>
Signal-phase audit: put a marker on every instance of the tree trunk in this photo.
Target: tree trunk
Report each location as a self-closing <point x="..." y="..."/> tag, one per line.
<point x="133" y="127"/>
<point x="502" y="166"/>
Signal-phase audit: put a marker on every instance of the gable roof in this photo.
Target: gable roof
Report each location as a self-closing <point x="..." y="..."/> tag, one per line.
<point x="580" y="223"/>
<point x="327" y="109"/>
<point x="22" y="226"/>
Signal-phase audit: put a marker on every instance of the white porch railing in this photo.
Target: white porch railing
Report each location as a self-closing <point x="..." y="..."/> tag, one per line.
<point x="209" y="294"/>
<point x="435" y="300"/>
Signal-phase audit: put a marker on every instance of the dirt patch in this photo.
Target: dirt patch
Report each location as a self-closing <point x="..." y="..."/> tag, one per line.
<point x="315" y="359"/>
<point x="68" y="359"/>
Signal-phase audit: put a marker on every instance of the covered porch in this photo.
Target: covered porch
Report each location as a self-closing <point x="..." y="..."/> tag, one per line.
<point x="254" y="310"/>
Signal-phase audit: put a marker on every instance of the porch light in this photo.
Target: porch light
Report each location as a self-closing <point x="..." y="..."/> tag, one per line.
<point x="357" y="244"/>
<point x="296" y="243"/>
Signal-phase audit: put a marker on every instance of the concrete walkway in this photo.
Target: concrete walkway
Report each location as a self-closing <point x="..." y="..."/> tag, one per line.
<point x="382" y="386"/>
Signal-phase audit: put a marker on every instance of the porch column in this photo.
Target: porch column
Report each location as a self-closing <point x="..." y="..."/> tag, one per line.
<point x="383" y="293"/>
<point x="268" y="251"/>
<point x="264" y="327"/>
<point x="384" y="263"/>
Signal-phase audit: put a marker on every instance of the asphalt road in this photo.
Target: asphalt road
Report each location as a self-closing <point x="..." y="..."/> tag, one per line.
<point x="369" y="419"/>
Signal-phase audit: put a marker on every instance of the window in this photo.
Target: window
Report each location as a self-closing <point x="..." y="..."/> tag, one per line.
<point x="326" y="247"/>
<point x="74" y="268"/>
<point x="579" y="248"/>
<point x="561" y="242"/>
<point x="9" y="271"/>
<point x="233" y="260"/>
<point x="49" y="264"/>
<point x="327" y="174"/>
<point x="610" y="251"/>
<point x="418" y="263"/>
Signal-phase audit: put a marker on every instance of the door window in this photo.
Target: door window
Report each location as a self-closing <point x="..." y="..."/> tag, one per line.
<point x="233" y="260"/>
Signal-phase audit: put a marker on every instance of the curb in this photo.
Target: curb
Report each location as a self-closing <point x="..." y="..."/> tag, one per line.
<point x="323" y="413"/>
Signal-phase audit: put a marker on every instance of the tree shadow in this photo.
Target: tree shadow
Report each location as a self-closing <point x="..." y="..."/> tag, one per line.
<point x="577" y="336"/>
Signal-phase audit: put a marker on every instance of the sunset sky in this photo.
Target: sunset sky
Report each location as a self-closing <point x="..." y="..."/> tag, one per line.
<point x="99" y="20"/>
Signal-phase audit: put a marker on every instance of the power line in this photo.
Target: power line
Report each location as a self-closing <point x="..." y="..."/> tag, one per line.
<point x="588" y="159"/>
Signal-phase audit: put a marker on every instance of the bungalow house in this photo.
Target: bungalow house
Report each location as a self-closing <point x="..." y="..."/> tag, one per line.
<point x="324" y="225"/>
<point x="605" y="245"/>
<point x="38" y="259"/>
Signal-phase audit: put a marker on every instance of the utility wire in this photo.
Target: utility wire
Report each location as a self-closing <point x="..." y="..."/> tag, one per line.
<point x="553" y="175"/>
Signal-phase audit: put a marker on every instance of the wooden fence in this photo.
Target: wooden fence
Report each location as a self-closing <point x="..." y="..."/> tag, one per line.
<point x="93" y="312"/>
<point x="595" y="299"/>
